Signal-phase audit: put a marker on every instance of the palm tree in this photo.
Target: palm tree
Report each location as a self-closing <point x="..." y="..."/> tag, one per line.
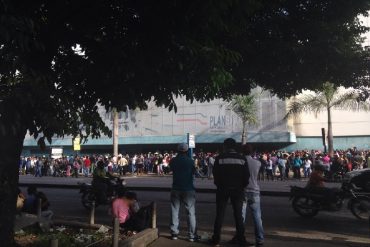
<point x="326" y="99"/>
<point x="245" y="107"/>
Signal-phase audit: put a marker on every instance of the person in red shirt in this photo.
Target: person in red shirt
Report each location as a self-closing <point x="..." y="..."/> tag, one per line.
<point x="317" y="177"/>
<point x="87" y="165"/>
<point x="316" y="185"/>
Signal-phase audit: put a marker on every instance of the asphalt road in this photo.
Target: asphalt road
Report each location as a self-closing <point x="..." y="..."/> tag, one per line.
<point x="280" y="222"/>
<point x="163" y="182"/>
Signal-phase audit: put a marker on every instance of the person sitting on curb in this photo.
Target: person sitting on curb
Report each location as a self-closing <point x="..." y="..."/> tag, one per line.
<point x="131" y="217"/>
<point x="32" y="202"/>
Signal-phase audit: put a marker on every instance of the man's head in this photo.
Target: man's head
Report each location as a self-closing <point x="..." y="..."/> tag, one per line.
<point x="229" y="143"/>
<point x="182" y="148"/>
<point x="248" y="149"/>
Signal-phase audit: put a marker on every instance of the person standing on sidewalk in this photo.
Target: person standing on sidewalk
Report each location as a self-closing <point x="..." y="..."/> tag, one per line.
<point x="211" y="163"/>
<point x="87" y="165"/>
<point x="183" y="191"/>
<point x="38" y="167"/>
<point x="252" y="195"/>
<point x="231" y="176"/>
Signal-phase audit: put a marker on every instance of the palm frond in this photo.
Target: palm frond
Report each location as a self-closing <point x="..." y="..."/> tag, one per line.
<point x="351" y="101"/>
<point x="307" y="103"/>
<point x="245" y="107"/>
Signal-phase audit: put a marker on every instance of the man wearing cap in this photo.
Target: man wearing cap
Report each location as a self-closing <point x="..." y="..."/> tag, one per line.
<point x="231" y="176"/>
<point x="183" y="192"/>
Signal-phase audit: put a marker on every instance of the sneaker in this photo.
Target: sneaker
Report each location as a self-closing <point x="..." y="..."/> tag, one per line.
<point x="195" y="239"/>
<point x="174" y="237"/>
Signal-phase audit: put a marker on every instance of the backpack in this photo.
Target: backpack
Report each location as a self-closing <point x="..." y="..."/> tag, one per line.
<point x="140" y="220"/>
<point x="44" y="201"/>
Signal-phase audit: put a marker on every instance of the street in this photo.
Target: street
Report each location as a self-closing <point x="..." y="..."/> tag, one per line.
<point x="164" y="182"/>
<point x="281" y="224"/>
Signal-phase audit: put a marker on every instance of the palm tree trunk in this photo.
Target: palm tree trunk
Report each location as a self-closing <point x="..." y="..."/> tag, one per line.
<point x="244" y="134"/>
<point x="115" y="132"/>
<point x="330" y="134"/>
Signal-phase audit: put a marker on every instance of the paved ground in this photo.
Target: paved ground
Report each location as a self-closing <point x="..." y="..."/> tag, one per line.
<point x="164" y="182"/>
<point x="283" y="227"/>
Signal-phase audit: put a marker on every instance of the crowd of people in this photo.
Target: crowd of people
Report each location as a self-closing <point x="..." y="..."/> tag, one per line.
<point x="236" y="174"/>
<point x="275" y="165"/>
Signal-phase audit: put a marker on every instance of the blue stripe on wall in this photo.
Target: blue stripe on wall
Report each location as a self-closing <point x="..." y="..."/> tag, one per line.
<point x="340" y="142"/>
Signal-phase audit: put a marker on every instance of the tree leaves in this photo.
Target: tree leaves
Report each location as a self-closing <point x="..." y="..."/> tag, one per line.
<point x="140" y="51"/>
<point x="245" y="107"/>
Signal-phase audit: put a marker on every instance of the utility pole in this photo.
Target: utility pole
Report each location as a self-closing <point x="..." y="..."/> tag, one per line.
<point x="115" y="132"/>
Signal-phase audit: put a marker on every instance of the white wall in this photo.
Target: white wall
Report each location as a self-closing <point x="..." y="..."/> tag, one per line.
<point x="345" y="123"/>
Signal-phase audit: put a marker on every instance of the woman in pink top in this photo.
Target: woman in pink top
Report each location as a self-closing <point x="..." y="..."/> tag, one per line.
<point x="121" y="206"/>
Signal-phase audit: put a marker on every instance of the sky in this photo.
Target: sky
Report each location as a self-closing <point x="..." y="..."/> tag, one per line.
<point x="366" y="22"/>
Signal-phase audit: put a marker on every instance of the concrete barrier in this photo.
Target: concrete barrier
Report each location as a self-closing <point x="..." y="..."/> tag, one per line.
<point x="141" y="239"/>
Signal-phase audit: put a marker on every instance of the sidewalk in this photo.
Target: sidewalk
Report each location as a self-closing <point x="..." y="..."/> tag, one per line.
<point x="292" y="240"/>
<point x="166" y="242"/>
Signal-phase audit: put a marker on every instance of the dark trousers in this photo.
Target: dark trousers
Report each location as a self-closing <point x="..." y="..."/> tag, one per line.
<point x="222" y="197"/>
<point x="297" y="172"/>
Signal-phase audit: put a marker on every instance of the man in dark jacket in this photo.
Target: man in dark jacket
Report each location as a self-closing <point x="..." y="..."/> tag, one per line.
<point x="231" y="176"/>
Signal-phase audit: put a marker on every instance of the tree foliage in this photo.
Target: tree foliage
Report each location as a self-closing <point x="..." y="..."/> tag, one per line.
<point x="328" y="96"/>
<point x="325" y="99"/>
<point x="245" y="107"/>
<point x="59" y="59"/>
<point x="135" y="51"/>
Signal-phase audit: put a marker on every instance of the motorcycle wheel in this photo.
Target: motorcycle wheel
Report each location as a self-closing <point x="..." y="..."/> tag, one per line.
<point x="87" y="200"/>
<point x="360" y="207"/>
<point x="304" y="206"/>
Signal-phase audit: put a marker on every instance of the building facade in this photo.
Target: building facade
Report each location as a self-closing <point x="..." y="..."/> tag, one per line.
<point x="211" y="122"/>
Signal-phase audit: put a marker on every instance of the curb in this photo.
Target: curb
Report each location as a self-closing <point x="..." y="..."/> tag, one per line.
<point x="143" y="238"/>
<point x="154" y="189"/>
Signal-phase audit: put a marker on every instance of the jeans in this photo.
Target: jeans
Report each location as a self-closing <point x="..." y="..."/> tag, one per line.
<point x="236" y="197"/>
<point x="133" y="169"/>
<point x="210" y="171"/>
<point x="38" y="171"/>
<point x="307" y="172"/>
<point x="252" y="202"/>
<point x="86" y="171"/>
<point x="188" y="200"/>
<point x="282" y="172"/>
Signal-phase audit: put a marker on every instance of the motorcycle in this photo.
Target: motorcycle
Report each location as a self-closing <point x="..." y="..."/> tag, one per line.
<point x="90" y="193"/>
<point x="307" y="202"/>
